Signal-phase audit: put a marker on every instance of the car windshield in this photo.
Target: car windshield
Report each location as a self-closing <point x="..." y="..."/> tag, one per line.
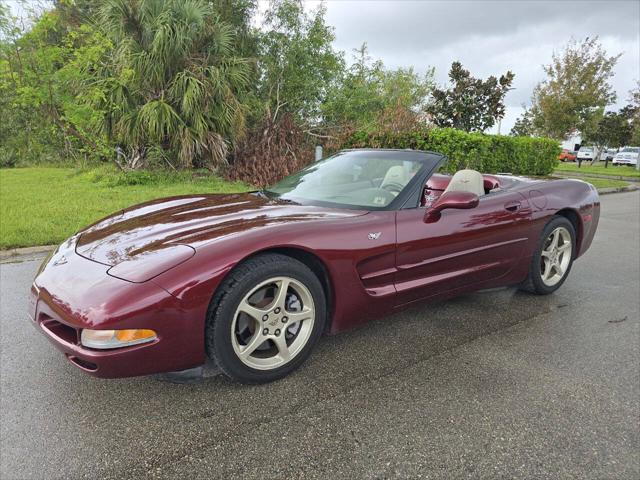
<point x="366" y="179"/>
<point x="630" y="150"/>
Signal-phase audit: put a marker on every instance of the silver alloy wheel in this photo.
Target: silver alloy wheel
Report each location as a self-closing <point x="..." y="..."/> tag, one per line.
<point x="273" y="323"/>
<point x="556" y="256"/>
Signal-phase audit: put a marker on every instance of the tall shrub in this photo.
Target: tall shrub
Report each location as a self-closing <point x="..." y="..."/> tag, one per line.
<point x="485" y="153"/>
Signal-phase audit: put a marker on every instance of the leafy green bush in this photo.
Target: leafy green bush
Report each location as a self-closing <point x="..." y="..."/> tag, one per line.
<point x="8" y="158"/>
<point x="485" y="153"/>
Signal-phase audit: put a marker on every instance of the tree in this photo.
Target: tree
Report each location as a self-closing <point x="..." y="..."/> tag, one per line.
<point x="171" y="84"/>
<point x="632" y="113"/>
<point x="470" y="104"/>
<point x="612" y="130"/>
<point x="238" y="15"/>
<point x="367" y="90"/>
<point x="577" y="88"/>
<point x="297" y="61"/>
<point x="523" y="127"/>
<point x="44" y="87"/>
<point x="616" y="129"/>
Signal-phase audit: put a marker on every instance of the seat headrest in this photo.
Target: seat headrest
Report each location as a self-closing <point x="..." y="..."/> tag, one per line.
<point x="395" y="175"/>
<point x="466" y="181"/>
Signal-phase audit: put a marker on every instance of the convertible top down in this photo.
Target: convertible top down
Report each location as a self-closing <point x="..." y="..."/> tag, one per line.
<point x="252" y="280"/>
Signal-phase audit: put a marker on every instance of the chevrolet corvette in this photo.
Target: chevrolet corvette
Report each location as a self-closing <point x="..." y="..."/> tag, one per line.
<point x="251" y="281"/>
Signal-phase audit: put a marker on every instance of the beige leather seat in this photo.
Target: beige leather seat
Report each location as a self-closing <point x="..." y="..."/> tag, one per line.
<point x="466" y="181"/>
<point x="396" y="176"/>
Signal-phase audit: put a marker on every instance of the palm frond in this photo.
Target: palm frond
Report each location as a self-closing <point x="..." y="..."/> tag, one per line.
<point x="172" y="80"/>
<point x="157" y="121"/>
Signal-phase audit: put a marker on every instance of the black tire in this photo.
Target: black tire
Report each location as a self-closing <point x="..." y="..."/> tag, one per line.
<point x="534" y="283"/>
<point x="227" y="298"/>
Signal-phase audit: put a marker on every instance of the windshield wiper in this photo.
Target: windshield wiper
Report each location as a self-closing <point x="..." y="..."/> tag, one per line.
<point x="286" y="200"/>
<point x="273" y="197"/>
<point x="260" y="193"/>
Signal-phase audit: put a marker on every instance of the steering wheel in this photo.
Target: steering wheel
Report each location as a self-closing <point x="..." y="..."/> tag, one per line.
<point x="393" y="187"/>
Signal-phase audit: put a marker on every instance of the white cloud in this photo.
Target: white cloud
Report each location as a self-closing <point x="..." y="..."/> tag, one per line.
<point x="488" y="37"/>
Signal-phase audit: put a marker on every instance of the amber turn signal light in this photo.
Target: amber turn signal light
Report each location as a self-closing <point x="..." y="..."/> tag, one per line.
<point x="105" y="339"/>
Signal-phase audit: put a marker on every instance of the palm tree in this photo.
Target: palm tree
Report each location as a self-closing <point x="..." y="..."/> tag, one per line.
<point x="171" y="82"/>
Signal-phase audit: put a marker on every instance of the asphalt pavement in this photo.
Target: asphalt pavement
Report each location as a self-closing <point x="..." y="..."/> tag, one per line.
<point x="496" y="384"/>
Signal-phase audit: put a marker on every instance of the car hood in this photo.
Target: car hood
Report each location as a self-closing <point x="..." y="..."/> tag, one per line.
<point x="176" y="226"/>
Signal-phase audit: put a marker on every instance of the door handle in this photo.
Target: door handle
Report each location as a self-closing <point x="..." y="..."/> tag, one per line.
<point x="512" y="206"/>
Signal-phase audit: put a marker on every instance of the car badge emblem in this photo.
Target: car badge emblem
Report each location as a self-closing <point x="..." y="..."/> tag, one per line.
<point x="374" y="235"/>
<point x="60" y="261"/>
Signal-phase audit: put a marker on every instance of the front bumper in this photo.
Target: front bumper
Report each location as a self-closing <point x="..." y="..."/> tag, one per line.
<point x="624" y="161"/>
<point x="71" y="293"/>
<point x="121" y="362"/>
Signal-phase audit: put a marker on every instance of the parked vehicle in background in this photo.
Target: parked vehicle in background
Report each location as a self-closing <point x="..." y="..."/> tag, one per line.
<point x="567" y="155"/>
<point x="627" y="156"/>
<point x="585" y="153"/>
<point x="607" y="154"/>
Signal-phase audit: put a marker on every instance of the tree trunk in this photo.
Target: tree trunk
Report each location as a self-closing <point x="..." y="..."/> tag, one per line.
<point x="134" y="159"/>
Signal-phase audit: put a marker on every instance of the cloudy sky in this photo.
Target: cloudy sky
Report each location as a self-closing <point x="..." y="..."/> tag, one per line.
<point x="488" y="37"/>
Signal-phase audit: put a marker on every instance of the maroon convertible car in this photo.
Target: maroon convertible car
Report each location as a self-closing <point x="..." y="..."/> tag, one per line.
<point x="252" y="280"/>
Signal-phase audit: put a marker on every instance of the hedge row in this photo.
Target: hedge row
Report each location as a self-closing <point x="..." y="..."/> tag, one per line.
<point x="485" y="153"/>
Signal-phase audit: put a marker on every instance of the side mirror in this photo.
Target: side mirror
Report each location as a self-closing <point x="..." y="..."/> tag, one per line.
<point x="457" y="200"/>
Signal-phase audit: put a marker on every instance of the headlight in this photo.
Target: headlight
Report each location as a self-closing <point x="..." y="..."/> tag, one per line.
<point x="105" y="339"/>
<point x="144" y="266"/>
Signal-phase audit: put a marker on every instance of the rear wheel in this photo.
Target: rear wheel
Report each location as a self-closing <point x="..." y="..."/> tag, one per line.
<point x="553" y="258"/>
<point x="266" y="318"/>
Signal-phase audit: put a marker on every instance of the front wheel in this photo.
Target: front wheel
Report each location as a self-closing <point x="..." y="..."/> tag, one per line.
<point x="265" y="319"/>
<point x="553" y="258"/>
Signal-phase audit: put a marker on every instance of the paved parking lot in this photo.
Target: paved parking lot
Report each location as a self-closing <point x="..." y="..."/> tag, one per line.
<point x="494" y="384"/>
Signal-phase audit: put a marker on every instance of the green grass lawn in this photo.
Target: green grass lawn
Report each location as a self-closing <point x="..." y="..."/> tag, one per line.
<point x="598" y="169"/>
<point x="601" y="183"/>
<point x="42" y="206"/>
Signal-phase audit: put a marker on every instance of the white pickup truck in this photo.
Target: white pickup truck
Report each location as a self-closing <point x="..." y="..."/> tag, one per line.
<point x="627" y="156"/>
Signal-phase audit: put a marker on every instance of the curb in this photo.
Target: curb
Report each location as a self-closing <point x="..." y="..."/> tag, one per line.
<point x="15" y="252"/>
<point x="630" y="188"/>
<point x="595" y="175"/>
